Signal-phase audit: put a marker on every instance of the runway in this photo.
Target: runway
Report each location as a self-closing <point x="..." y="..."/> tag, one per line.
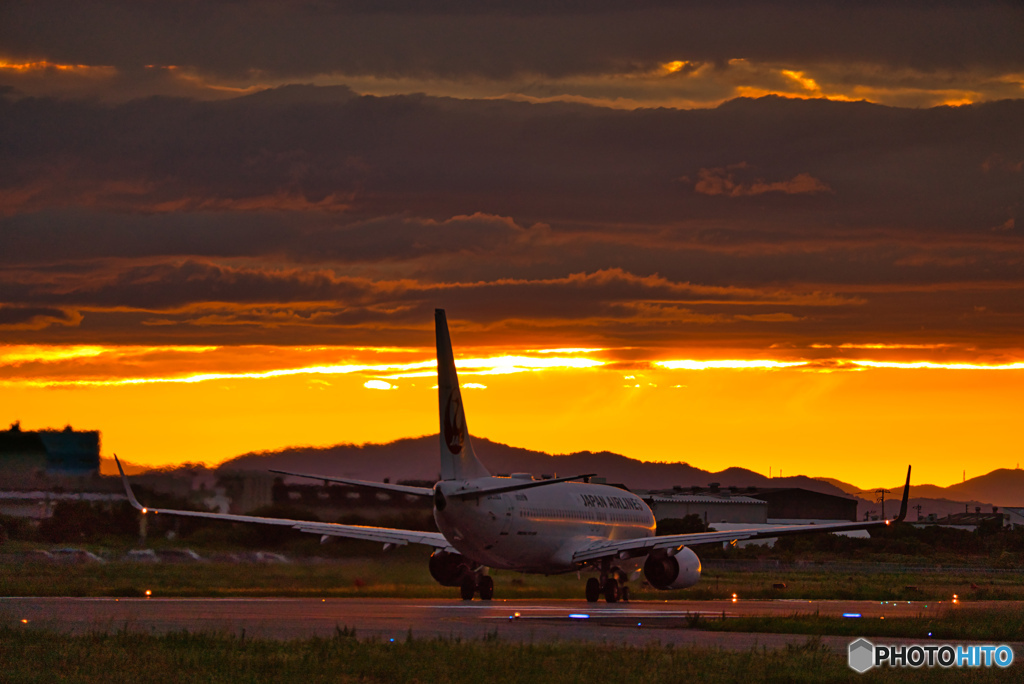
<point x="637" y="623"/>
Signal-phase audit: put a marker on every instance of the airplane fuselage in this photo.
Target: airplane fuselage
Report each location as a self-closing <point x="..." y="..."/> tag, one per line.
<point x="537" y="529"/>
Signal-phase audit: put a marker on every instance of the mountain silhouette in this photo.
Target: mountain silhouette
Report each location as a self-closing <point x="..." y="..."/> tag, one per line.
<point x="416" y="459"/>
<point x="1001" y="487"/>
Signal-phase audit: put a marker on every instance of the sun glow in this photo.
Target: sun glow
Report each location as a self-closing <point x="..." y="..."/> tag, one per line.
<point x="690" y="364"/>
<point x="111" y="366"/>
<point x="916" y="365"/>
<point x="829" y="365"/>
<point x="880" y="345"/>
<point x="673" y="67"/>
<point x="805" y="82"/>
<point x="43" y="65"/>
<point x="83" y="366"/>
<point x="19" y="354"/>
<point x="224" y="401"/>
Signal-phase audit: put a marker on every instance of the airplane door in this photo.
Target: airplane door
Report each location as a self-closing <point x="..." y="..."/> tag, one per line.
<point x="506" y="525"/>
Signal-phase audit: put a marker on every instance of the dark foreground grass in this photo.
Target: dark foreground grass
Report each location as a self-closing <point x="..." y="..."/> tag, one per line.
<point x="39" y="656"/>
<point x="997" y="625"/>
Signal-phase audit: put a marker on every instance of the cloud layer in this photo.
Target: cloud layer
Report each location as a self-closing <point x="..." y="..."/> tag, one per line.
<point x="532" y="192"/>
<point x="908" y="52"/>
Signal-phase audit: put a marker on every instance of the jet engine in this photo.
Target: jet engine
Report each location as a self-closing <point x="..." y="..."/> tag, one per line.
<point x="449" y="568"/>
<point x="678" y="571"/>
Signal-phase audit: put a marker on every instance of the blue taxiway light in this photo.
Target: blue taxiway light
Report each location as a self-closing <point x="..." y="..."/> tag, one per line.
<point x="851" y="615"/>
<point x="579" y="616"/>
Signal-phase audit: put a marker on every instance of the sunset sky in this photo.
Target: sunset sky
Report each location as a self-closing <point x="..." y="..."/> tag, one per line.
<point x="780" y="235"/>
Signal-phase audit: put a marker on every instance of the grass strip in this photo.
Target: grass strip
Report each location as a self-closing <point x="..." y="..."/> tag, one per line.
<point x="994" y="626"/>
<point x="39" y="656"/>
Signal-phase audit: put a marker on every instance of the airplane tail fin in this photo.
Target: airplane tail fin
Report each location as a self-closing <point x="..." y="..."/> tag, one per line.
<point x="457" y="459"/>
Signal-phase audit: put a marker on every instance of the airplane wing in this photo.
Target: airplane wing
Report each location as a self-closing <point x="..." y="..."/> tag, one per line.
<point x="631" y="548"/>
<point x="404" y="489"/>
<point x="384" y="535"/>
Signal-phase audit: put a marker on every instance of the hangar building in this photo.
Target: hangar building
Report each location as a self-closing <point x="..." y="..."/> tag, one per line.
<point x="25" y="455"/>
<point x="713" y="505"/>
<point x="750" y="504"/>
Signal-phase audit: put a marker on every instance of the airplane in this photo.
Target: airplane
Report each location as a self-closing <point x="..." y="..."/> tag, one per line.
<point x="544" y="526"/>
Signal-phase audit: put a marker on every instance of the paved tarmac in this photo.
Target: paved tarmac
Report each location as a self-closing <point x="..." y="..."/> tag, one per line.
<point x="637" y="622"/>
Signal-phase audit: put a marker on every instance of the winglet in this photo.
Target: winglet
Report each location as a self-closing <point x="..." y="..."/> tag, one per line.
<point x="127" y="487"/>
<point x="906" y="495"/>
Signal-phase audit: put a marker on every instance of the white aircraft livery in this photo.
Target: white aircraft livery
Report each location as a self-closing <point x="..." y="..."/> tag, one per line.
<point x="546" y="526"/>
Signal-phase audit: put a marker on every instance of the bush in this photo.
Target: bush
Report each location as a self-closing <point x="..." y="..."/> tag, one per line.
<point x="20" y="529"/>
<point x="81" y="521"/>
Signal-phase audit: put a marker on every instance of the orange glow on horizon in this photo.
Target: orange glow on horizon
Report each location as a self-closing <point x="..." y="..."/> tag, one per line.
<point x="102" y="366"/>
<point x="836" y="364"/>
<point x="880" y="345"/>
<point x="673" y="67"/>
<point x="111" y="363"/>
<point x="735" y="364"/>
<point x="805" y="82"/>
<point x="937" y="366"/>
<point x="18" y="354"/>
<point x="161" y="406"/>
<point x="43" y="65"/>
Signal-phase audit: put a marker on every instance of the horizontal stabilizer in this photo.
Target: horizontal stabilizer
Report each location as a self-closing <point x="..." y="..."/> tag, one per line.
<point x="386" y="486"/>
<point x="527" y="484"/>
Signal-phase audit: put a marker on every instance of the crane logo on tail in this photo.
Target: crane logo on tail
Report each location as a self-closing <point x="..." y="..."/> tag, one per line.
<point x="454" y="423"/>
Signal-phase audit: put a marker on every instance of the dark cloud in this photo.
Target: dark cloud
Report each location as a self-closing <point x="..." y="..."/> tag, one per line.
<point x="314" y="215"/>
<point x="209" y="303"/>
<point x="723" y="181"/>
<point x="190" y="284"/>
<point x="504" y="39"/>
<point x="35" y="318"/>
<point x="360" y="157"/>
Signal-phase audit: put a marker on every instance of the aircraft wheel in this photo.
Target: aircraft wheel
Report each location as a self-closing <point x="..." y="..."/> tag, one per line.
<point x="486" y="588"/>
<point x="611" y="590"/>
<point x="468" y="587"/>
<point x="625" y="594"/>
<point x="593" y="590"/>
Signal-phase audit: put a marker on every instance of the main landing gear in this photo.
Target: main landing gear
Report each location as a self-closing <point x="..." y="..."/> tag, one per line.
<point x="474" y="582"/>
<point x="609" y="585"/>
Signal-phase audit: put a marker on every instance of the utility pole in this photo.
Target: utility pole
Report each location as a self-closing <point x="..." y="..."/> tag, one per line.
<point x="881" y="499"/>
